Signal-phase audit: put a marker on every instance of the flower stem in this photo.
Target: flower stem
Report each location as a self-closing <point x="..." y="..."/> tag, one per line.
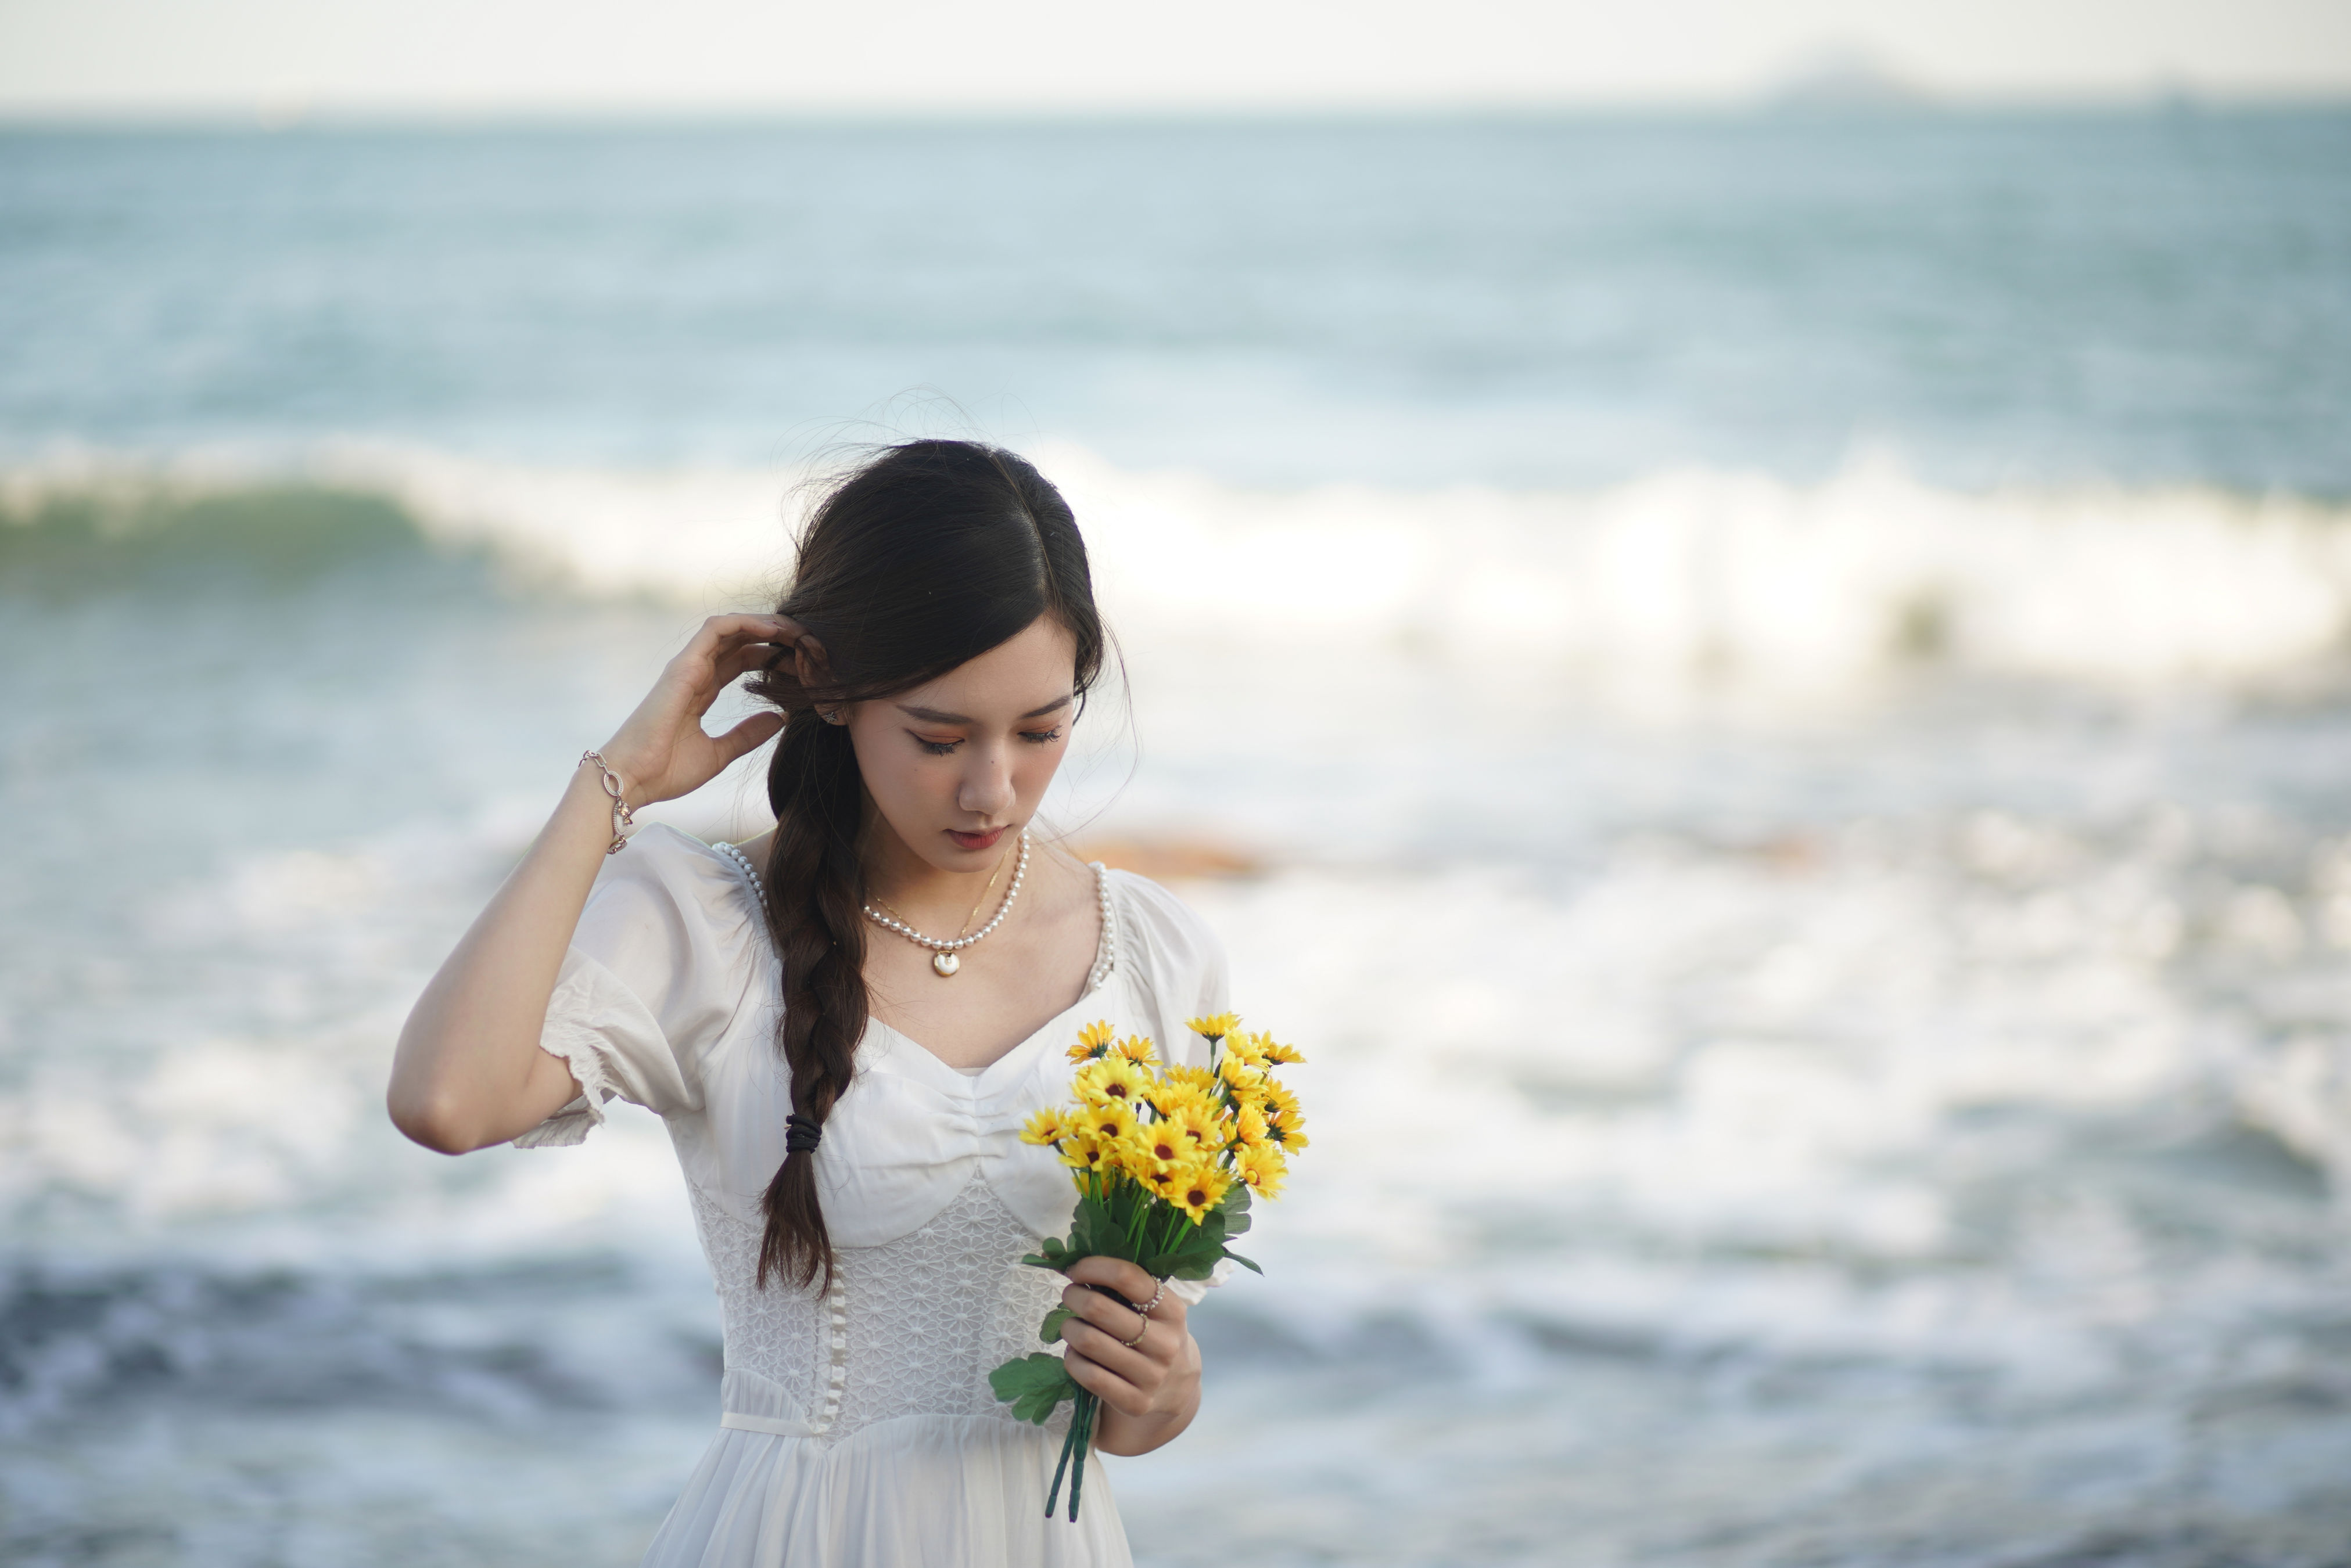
<point x="1054" y="1495"/>
<point x="1082" y="1425"/>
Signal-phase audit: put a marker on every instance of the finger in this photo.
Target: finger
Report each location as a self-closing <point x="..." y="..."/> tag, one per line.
<point x="784" y="629"/>
<point x="1107" y="1385"/>
<point x="1106" y="1312"/>
<point x="1130" y="1279"/>
<point x="707" y="683"/>
<point x="748" y="736"/>
<point x="722" y="634"/>
<point x="742" y="660"/>
<point x="759" y="643"/>
<point x="1145" y="1364"/>
<point x="1145" y="1351"/>
<point x="757" y="626"/>
<point x="715" y="630"/>
<point x="743" y="650"/>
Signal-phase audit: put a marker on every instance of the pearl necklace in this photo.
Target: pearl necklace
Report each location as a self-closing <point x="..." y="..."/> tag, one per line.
<point x="943" y="953"/>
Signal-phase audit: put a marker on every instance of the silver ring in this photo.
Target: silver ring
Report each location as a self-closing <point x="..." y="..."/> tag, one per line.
<point x="1156" y="1296"/>
<point x="1139" y="1333"/>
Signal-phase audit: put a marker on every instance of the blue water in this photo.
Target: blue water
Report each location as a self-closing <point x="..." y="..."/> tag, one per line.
<point x="2139" y="296"/>
<point x="1780" y="682"/>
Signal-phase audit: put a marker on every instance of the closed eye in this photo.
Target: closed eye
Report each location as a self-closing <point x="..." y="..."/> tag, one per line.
<point x="948" y="748"/>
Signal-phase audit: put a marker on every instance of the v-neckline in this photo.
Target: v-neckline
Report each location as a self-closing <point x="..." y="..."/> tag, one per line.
<point x="1099" y="974"/>
<point x="971" y="1082"/>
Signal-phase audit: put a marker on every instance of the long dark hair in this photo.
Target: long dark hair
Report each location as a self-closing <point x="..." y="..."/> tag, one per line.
<point x="929" y="554"/>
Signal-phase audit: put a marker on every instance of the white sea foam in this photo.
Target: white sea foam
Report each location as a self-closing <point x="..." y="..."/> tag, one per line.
<point x="1683" y="576"/>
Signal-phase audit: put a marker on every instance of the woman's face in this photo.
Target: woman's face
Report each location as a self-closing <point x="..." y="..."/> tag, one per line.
<point x="956" y="765"/>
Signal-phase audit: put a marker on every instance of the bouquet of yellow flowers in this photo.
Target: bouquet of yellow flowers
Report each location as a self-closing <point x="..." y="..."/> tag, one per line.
<point x="1165" y="1160"/>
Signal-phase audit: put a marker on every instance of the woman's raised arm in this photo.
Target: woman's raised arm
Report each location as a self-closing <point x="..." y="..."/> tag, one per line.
<point x="469" y="1072"/>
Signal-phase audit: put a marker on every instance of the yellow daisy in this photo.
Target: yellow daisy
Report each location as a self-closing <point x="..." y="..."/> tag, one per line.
<point x="1109" y="1122"/>
<point x="1278" y="1055"/>
<point x="1196" y="1190"/>
<point x="1093" y="1041"/>
<point x="1200" y="1128"/>
<point x="1241" y="1046"/>
<point x="1246" y="1082"/>
<point x="1083" y="1151"/>
<point x="1198" y="1079"/>
<point x="1169" y="1095"/>
<point x="1249" y="1127"/>
<point x="1284" y="1124"/>
<point x="1046" y="1126"/>
<point x="1261" y="1171"/>
<point x="1215" y="1026"/>
<point x="1159" y="1144"/>
<point x="1112" y="1078"/>
<point x="1136" y="1048"/>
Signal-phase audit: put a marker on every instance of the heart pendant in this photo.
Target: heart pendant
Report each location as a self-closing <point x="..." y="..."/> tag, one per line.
<point x="945" y="964"/>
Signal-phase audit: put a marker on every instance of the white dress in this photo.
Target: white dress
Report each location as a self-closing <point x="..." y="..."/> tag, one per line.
<point x="857" y="1425"/>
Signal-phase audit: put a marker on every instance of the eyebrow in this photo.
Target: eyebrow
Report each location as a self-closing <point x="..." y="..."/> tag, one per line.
<point x="938" y="716"/>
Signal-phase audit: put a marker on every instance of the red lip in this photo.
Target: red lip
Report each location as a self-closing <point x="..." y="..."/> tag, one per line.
<point x="975" y="840"/>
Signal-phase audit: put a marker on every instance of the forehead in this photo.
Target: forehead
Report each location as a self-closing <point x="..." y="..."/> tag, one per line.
<point x="1030" y="670"/>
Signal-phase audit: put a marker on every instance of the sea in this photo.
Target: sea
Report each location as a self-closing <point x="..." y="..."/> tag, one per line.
<point x="1765" y="693"/>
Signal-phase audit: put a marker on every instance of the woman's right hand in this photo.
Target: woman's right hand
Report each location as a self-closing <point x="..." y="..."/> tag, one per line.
<point x="661" y="751"/>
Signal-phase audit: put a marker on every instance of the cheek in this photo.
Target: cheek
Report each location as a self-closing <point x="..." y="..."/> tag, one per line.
<point x="1034" y="766"/>
<point x="894" y="774"/>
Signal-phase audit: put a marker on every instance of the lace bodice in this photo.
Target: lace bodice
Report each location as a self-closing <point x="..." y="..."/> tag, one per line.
<point x="911" y="1327"/>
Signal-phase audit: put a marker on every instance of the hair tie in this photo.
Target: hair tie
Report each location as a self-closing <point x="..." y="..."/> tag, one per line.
<point x="801" y="1134"/>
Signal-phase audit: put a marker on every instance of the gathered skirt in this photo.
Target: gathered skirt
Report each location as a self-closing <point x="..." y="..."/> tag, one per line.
<point x="915" y="1492"/>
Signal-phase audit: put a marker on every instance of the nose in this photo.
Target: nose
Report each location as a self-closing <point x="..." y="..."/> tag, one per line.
<point x="986" y="788"/>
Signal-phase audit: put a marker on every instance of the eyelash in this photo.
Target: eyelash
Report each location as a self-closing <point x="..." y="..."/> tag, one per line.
<point x="947" y="748"/>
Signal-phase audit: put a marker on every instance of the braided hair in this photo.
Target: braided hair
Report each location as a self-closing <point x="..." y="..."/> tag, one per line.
<point x="928" y="555"/>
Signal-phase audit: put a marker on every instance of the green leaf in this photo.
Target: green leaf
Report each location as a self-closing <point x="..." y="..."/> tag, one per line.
<point x="1034" y="1386"/>
<point x="1235" y="1208"/>
<point x="1093" y="1231"/>
<point x="1191" y="1258"/>
<point x="1051" y="1331"/>
<point x="1244" y="1262"/>
<point x="1053" y="1255"/>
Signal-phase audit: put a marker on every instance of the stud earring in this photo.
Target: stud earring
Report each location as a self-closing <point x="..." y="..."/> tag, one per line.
<point x="830" y="715"/>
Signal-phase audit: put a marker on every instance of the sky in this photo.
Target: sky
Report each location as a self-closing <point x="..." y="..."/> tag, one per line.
<point x="271" y="58"/>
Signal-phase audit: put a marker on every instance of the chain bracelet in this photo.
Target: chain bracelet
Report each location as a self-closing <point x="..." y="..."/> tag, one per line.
<point x="624" y="821"/>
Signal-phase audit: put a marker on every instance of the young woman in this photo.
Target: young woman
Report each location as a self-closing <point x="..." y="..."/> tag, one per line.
<point x="844" y="1023"/>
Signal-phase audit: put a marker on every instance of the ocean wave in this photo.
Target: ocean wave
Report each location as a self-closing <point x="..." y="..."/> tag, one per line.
<point x="77" y="1340"/>
<point x="1682" y="577"/>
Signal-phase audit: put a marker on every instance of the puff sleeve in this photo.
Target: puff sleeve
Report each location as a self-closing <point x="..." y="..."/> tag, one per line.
<point x="1183" y="969"/>
<point x="658" y="966"/>
<point x="1185" y="976"/>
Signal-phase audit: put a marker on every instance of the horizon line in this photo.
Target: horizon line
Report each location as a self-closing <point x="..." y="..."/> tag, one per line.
<point x="294" y="113"/>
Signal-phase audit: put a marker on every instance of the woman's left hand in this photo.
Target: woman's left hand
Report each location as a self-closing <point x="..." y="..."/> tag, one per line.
<point x="1150" y="1389"/>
